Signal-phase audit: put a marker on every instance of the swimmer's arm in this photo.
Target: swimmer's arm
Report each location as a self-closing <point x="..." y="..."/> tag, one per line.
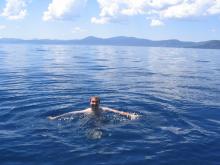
<point x="69" y="113"/>
<point x="116" y="111"/>
<point x="127" y="114"/>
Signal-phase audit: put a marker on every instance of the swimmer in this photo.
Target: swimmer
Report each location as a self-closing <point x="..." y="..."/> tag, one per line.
<point x="96" y="110"/>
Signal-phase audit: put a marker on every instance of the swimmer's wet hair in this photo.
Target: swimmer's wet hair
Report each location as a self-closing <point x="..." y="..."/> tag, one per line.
<point x="95" y="97"/>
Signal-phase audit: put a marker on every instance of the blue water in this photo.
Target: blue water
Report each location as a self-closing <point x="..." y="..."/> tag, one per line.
<point x="176" y="93"/>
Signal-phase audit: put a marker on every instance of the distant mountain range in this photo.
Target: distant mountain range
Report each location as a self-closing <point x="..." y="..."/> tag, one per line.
<point x="120" y="41"/>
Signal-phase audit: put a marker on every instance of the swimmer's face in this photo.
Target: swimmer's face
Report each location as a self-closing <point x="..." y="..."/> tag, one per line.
<point x="94" y="103"/>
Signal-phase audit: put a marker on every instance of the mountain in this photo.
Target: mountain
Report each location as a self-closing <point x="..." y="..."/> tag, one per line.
<point x="120" y="41"/>
<point x="212" y="44"/>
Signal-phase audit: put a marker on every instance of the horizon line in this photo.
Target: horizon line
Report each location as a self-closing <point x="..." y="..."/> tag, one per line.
<point x="104" y="38"/>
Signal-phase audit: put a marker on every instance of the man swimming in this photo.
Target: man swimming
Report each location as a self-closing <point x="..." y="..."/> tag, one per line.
<point x="96" y="110"/>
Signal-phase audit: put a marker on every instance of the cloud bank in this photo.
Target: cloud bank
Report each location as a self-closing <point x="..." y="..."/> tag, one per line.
<point x="63" y="9"/>
<point x="157" y="11"/>
<point x="15" y="9"/>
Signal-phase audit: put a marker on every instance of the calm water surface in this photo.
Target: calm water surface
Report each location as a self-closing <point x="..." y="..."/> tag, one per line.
<point x="175" y="91"/>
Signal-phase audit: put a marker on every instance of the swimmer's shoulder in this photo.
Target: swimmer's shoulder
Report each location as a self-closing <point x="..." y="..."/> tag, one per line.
<point x="87" y="110"/>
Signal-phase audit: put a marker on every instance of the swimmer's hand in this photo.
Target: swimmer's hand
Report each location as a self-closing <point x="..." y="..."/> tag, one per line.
<point x="51" y="117"/>
<point x="134" y="116"/>
<point x="131" y="116"/>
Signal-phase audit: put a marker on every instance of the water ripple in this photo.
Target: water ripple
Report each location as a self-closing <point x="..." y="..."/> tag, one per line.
<point x="175" y="95"/>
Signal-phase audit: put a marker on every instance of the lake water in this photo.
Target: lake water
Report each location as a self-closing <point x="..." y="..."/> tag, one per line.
<point x="176" y="93"/>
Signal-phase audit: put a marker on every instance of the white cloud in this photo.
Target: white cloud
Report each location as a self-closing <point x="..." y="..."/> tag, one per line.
<point x="63" y="9"/>
<point x="2" y="27"/>
<point x="155" y="22"/>
<point x="187" y="9"/>
<point x="78" y="30"/>
<point x="114" y="9"/>
<point x="215" y="9"/>
<point x="162" y="4"/>
<point x="15" y="9"/>
<point x="155" y="10"/>
<point x="102" y="20"/>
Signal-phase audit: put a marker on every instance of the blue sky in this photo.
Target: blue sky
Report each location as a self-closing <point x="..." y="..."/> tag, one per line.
<point x="187" y="20"/>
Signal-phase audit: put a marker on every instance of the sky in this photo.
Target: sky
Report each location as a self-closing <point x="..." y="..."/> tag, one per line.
<point x="185" y="20"/>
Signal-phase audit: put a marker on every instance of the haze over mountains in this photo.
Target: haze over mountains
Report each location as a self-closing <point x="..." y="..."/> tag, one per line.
<point x="120" y="41"/>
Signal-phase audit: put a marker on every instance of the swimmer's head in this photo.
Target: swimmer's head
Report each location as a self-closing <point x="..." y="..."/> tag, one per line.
<point x="96" y="98"/>
<point x="94" y="102"/>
